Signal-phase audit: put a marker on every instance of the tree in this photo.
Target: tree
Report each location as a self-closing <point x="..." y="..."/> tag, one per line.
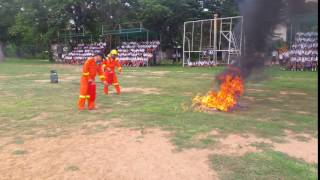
<point x="33" y="25"/>
<point x="166" y="17"/>
<point x="7" y="12"/>
<point x="226" y="8"/>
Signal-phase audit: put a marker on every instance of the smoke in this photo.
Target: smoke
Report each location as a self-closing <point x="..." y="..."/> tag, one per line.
<point x="260" y="19"/>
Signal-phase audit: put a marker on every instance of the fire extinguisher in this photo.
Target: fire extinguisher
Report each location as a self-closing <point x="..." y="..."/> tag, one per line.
<point x="92" y="90"/>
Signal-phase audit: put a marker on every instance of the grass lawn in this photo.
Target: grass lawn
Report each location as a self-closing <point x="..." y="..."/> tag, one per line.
<point x="280" y="101"/>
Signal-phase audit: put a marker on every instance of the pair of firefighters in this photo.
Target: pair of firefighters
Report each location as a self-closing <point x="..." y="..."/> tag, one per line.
<point x="105" y="68"/>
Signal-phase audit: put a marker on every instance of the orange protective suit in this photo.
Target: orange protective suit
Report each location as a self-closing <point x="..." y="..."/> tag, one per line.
<point x="109" y="65"/>
<point x="88" y="85"/>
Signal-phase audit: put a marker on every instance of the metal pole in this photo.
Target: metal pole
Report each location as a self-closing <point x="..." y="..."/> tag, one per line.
<point x="184" y="41"/>
<point x="210" y="33"/>
<point x="221" y="24"/>
<point x="189" y="50"/>
<point x="215" y="36"/>
<point x="230" y="34"/>
<point x="241" y="34"/>
<point x="201" y="36"/>
<point x="244" y="43"/>
<point x="192" y="36"/>
<point x="102" y="29"/>
<point x="291" y="36"/>
<point x="241" y="39"/>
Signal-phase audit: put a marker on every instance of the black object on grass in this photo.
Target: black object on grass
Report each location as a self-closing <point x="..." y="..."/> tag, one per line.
<point x="54" y="76"/>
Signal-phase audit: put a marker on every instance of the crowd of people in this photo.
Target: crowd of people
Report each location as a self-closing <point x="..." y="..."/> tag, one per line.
<point x="137" y="54"/>
<point x="81" y="52"/>
<point x="202" y="64"/>
<point x="303" y="55"/>
<point x="132" y="54"/>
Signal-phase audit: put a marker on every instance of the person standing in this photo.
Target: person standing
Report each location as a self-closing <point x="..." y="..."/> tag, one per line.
<point x="274" y="57"/>
<point x="109" y="65"/>
<point x="59" y="51"/>
<point x="91" y="68"/>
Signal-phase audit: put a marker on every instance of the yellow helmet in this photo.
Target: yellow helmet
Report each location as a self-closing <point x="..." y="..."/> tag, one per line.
<point x="114" y="52"/>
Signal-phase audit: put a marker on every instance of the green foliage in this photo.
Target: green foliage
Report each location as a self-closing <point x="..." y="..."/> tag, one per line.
<point x="166" y="17"/>
<point x="32" y="25"/>
<point x="225" y="8"/>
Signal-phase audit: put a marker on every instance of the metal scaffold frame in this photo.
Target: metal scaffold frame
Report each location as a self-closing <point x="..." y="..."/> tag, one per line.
<point x="208" y="37"/>
<point x="125" y="32"/>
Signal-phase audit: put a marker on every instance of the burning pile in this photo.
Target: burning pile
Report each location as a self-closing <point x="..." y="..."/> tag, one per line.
<point x="231" y="88"/>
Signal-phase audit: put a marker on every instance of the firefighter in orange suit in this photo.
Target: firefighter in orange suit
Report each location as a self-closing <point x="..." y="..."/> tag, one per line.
<point x="109" y="65"/>
<point x="91" y="68"/>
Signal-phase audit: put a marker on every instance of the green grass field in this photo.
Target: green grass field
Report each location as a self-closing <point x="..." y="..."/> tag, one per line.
<point x="280" y="101"/>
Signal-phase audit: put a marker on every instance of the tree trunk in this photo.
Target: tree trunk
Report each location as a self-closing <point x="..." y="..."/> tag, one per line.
<point x="1" y="52"/>
<point x="18" y="51"/>
<point x="50" y="53"/>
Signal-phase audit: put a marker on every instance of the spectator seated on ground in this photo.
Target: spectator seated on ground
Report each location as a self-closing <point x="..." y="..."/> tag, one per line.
<point x="201" y="63"/>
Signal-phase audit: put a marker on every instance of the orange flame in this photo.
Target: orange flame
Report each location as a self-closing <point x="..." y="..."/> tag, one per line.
<point x="231" y="89"/>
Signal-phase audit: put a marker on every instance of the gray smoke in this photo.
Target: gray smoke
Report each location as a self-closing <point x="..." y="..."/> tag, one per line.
<point x="260" y="19"/>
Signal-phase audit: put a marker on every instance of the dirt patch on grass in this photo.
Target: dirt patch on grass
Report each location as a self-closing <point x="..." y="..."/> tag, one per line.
<point x="123" y="103"/>
<point x="238" y="145"/>
<point x="232" y="144"/>
<point x="257" y="90"/>
<point x="61" y="79"/>
<point x="128" y="76"/>
<point x="111" y="123"/>
<point x="42" y="81"/>
<point x="99" y="123"/>
<point x="188" y="93"/>
<point x="276" y="109"/>
<point x="114" y="154"/>
<point x="4" y="77"/>
<point x="161" y="73"/>
<point x="303" y="112"/>
<point x="74" y="68"/>
<point x="248" y="98"/>
<point x="141" y="90"/>
<point x="17" y="76"/>
<point x="275" y="99"/>
<point x="292" y="93"/>
<point x="301" y="146"/>
<point x="213" y="133"/>
<point x="306" y="150"/>
<point x="69" y="78"/>
<point x="41" y="116"/>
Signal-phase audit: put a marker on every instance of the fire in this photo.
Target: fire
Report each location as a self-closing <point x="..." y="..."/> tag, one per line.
<point x="231" y="89"/>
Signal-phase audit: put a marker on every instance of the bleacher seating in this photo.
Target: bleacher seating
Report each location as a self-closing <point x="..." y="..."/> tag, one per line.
<point x="304" y="52"/>
<point x="81" y="52"/>
<point x="137" y="54"/>
<point x="133" y="54"/>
